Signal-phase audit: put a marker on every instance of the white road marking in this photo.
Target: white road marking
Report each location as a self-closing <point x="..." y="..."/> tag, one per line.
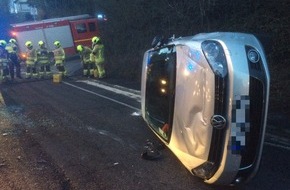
<point x="127" y="93"/>
<point x="277" y="145"/>
<point x="91" y="92"/>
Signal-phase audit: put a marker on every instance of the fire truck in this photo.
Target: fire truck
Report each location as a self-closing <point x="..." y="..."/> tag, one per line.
<point x="71" y="31"/>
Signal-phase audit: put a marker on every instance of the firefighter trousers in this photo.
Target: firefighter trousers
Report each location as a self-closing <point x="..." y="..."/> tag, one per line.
<point x="100" y="70"/>
<point x="14" y="65"/>
<point x="88" y="69"/>
<point x="31" y="71"/>
<point x="4" y="69"/>
<point x="44" y="70"/>
<point x="61" y="69"/>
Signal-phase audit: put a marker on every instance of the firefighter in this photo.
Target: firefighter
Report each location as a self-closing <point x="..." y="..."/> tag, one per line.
<point x="88" y="65"/>
<point x="43" y="60"/>
<point x="14" y="61"/>
<point x="97" y="57"/>
<point x="31" y="58"/>
<point x="59" y="57"/>
<point x="4" y="69"/>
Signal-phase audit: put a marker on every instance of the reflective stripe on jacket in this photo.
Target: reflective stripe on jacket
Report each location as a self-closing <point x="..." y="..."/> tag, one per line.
<point x="3" y="63"/>
<point x="59" y="55"/>
<point x="42" y="56"/>
<point x="3" y="58"/>
<point x="31" y="56"/>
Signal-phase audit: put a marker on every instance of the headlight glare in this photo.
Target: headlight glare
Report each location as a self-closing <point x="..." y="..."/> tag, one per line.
<point x="215" y="56"/>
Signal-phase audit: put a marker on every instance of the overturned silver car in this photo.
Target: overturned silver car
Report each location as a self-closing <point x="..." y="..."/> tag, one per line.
<point x="206" y="97"/>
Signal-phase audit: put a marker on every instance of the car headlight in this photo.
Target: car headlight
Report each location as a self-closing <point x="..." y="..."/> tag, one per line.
<point x="215" y="56"/>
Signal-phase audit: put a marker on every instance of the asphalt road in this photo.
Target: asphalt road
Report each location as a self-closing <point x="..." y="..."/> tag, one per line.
<point x="83" y="134"/>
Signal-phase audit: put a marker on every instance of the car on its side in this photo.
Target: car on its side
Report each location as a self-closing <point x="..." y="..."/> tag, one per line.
<point x="206" y="97"/>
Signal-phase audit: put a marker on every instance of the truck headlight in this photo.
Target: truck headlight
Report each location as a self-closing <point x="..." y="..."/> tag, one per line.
<point x="215" y="56"/>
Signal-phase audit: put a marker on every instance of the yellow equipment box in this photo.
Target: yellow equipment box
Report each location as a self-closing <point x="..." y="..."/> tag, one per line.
<point x="57" y="78"/>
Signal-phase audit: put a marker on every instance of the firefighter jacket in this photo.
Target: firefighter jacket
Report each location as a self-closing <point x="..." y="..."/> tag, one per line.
<point x="59" y="56"/>
<point x="3" y="57"/>
<point x="85" y="55"/>
<point x="31" y="56"/>
<point x="98" y="53"/>
<point x="42" y="56"/>
<point x="12" y="48"/>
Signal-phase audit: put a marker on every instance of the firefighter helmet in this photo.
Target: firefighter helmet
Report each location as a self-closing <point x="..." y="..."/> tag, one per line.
<point x="12" y="40"/>
<point x="80" y="48"/>
<point x="40" y="43"/>
<point x="57" y="44"/>
<point x="28" y="44"/>
<point x="95" y="39"/>
<point x="3" y="43"/>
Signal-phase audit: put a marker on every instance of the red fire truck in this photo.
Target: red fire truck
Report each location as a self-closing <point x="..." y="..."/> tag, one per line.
<point x="70" y="31"/>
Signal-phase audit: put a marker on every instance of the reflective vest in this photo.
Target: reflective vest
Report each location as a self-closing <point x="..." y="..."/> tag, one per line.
<point x="42" y="56"/>
<point x="59" y="55"/>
